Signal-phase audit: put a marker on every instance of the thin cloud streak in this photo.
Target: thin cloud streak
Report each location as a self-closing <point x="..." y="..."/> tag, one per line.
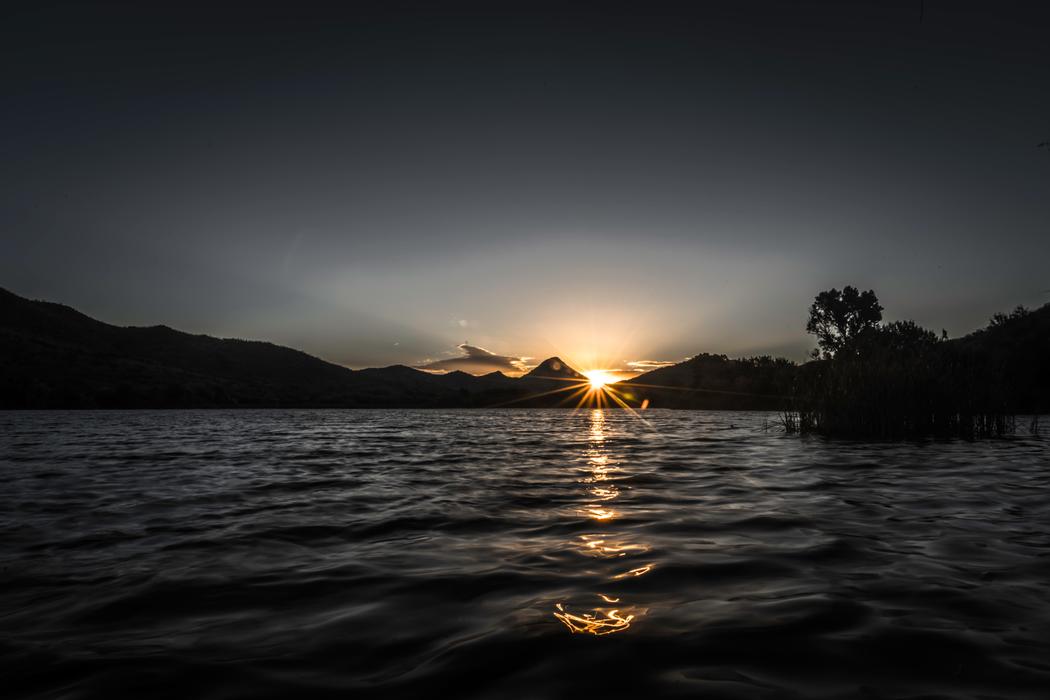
<point x="478" y="360"/>
<point x="647" y="365"/>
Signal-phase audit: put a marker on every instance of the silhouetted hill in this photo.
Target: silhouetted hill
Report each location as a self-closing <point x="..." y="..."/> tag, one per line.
<point x="554" y="368"/>
<point x="717" y="382"/>
<point x="1016" y="348"/>
<point x="552" y="383"/>
<point x="52" y="356"/>
<point x="465" y="381"/>
<point x="53" y="330"/>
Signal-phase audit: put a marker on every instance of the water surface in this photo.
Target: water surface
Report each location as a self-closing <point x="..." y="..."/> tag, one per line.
<point x="514" y="554"/>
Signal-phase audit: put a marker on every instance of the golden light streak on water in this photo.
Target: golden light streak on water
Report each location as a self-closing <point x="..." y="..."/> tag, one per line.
<point x="600" y="622"/>
<point x="641" y="570"/>
<point x="599" y="513"/>
<point x="601" y="546"/>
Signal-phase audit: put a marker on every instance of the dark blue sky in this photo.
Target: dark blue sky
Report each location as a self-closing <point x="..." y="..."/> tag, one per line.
<point x="633" y="182"/>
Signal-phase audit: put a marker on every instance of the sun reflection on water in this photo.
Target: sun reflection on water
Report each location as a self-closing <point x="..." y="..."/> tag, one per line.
<point x="635" y="572"/>
<point x="599" y="513"/>
<point x="600" y="622"/>
<point x="598" y="466"/>
<point x="605" y="546"/>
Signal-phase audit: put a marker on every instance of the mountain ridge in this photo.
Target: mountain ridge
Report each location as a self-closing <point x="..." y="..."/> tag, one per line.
<point x="54" y="356"/>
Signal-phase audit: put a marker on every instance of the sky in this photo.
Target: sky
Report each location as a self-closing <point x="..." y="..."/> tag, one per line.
<point x="482" y="186"/>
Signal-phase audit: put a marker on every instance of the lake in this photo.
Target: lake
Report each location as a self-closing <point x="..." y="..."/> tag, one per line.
<point x="514" y="554"/>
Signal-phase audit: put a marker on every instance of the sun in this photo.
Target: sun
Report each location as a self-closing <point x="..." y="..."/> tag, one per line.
<point x="598" y="378"/>
<point x="592" y="388"/>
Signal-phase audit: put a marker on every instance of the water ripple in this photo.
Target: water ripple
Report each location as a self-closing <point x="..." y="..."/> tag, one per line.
<point x="514" y="553"/>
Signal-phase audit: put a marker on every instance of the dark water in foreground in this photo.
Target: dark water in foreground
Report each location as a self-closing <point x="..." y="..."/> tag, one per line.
<point x="514" y="554"/>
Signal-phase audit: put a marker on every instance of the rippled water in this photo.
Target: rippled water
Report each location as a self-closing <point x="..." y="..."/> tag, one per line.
<point x="514" y="554"/>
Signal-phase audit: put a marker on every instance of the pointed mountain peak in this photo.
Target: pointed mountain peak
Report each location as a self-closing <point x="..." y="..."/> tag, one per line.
<point x="556" y="368"/>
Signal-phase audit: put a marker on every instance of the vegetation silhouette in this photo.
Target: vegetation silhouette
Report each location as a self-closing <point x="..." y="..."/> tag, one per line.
<point x="837" y="318"/>
<point x="900" y="380"/>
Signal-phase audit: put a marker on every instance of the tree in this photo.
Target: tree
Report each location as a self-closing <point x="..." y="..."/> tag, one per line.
<point x="899" y="337"/>
<point x="1001" y="319"/>
<point x="837" y="318"/>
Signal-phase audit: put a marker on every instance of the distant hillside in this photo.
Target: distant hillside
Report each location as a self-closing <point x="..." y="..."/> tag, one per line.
<point x="717" y="382"/>
<point x="54" y="356"/>
<point x="1017" y="350"/>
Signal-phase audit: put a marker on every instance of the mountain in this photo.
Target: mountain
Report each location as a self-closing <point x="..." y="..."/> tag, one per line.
<point x="52" y="356"/>
<point x="555" y="368"/>
<point x="552" y="383"/>
<point x="1017" y="349"/>
<point x="716" y="382"/>
<point x="464" y="381"/>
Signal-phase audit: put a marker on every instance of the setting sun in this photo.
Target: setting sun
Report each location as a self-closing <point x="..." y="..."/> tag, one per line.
<point x="599" y="378"/>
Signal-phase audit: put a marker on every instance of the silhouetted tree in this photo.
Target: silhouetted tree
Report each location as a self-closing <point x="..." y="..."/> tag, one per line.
<point x="1001" y="319"/>
<point x="837" y="318"/>
<point x="903" y="336"/>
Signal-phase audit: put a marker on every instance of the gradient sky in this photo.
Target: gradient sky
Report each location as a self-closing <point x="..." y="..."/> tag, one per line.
<point x="384" y="184"/>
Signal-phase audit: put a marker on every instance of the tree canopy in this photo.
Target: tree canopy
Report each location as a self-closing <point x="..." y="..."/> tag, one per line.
<point x="838" y="317"/>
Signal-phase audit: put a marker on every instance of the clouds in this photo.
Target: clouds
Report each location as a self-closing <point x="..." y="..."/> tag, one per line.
<point x="648" y="365"/>
<point x="475" y="360"/>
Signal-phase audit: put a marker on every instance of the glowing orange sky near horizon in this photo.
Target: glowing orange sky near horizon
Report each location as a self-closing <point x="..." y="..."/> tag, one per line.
<point x="613" y="339"/>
